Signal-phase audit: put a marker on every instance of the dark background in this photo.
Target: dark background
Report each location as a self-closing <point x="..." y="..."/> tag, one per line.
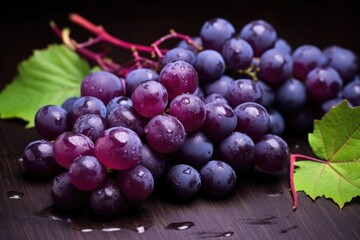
<point x="25" y="24"/>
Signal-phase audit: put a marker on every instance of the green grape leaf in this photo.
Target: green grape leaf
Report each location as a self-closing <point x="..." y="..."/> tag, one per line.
<point x="336" y="140"/>
<point x="49" y="76"/>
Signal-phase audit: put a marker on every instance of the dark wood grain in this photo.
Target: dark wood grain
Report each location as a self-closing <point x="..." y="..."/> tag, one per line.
<point x="260" y="207"/>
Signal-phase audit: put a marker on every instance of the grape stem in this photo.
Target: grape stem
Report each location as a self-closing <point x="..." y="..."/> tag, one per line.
<point x="102" y="36"/>
<point x="293" y="159"/>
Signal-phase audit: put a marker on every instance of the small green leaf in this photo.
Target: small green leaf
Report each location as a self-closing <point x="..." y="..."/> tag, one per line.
<point x="49" y="76"/>
<point x="336" y="139"/>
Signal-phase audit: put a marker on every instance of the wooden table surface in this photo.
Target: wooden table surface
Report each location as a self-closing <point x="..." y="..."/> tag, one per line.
<point x="260" y="207"/>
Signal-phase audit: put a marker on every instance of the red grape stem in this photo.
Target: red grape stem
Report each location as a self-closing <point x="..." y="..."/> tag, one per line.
<point x="102" y="36"/>
<point x="293" y="159"/>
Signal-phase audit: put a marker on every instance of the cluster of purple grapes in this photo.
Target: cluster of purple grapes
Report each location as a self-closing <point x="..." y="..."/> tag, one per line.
<point x="200" y="122"/>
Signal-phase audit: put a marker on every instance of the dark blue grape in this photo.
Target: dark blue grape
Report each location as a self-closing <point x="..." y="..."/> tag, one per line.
<point x="218" y="178"/>
<point x="243" y="90"/>
<point x="137" y="76"/>
<point x="91" y="125"/>
<point x="117" y="101"/>
<point x="126" y="116"/>
<point x="276" y="66"/>
<point x="237" y="54"/>
<point x="196" y="151"/>
<point x="343" y="60"/>
<point x="291" y="95"/>
<point x="252" y="119"/>
<point x="219" y="86"/>
<point x="176" y="54"/>
<point x="183" y="181"/>
<point x="272" y="153"/>
<point x="209" y="65"/>
<point x="153" y="160"/>
<point x="51" y="121"/>
<point x="107" y="200"/>
<point x="215" y="32"/>
<point x="85" y="105"/>
<point x="277" y="122"/>
<point x="238" y="150"/>
<point x="323" y="83"/>
<point x="260" y="35"/>
<point x="38" y="158"/>
<point x="351" y="92"/>
<point x="136" y="183"/>
<point x="66" y="195"/>
<point x="220" y="120"/>
<point x="102" y="85"/>
<point x="306" y="58"/>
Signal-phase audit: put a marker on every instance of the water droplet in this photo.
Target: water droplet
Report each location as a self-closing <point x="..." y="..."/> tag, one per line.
<point x="114" y="229"/>
<point x="187" y="171"/>
<point x="86" y="230"/>
<point x="180" y="225"/>
<point x="297" y="146"/>
<point x="140" y="229"/>
<point x="20" y="160"/>
<point x="146" y="86"/>
<point x="14" y="194"/>
<point x="185" y="100"/>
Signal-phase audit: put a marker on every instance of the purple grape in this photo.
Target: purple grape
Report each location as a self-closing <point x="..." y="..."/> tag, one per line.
<point x="291" y="95"/>
<point x="277" y="122"/>
<point x="260" y="35"/>
<point x="215" y="32"/>
<point x="268" y="97"/>
<point x="153" y="161"/>
<point x="215" y="97"/>
<point x="272" y="153"/>
<point x="283" y="45"/>
<point x="196" y="151"/>
<point x="66" y="195"/>
<point x="176" y="54"/>
<point x="85" y="105"/>
<point x="68" y="104"/>
<point x="343" y="60"/>
<point x="107" y="200"/>
<point x="118" y="148"/>
<point x="306" y="58"/>
<point x="210" y="65"/>
<point x="165" y="133"/>
<point x="243" y="90"/>
<point x="126" y="116"/>
<point x="219" y="86"/>
<point x="351" y="92"/>
<point x="238" y="150"/>
<point x="237" y="54"/>
<point x="178" y="77"/>
<point x="51" y="121"/>
<point x="183" y="181"/>
<point x="118" y="101"/>
<point x="218" y="178"/>
<point x="38" y="158"/>
<point x="185" y="45"/>
<point x="150" y="98"/>
<point x="190" y="110"/>
<point x="102" y="85"/>
<point x="137" y="76"/>
<point x="86" y="173"/>
<point x="276" y="66"/>
<point x="91" y="125"/>
<point x="323" y="84"/>
<point x="136" y="183"/>
<point x="252" y="119"/>
<point x="220" y="120"/>
<point x="70" y="145"/>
